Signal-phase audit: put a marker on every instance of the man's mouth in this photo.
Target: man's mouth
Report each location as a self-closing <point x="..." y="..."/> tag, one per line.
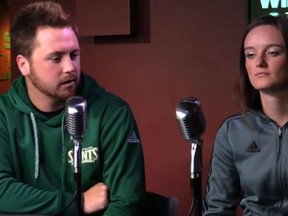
<point x="68" y="81"/>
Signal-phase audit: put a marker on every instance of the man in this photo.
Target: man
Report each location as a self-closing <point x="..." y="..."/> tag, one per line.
<point x="36" y="152"/>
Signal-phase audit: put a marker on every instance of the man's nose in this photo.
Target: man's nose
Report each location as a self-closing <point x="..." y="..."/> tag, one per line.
<point x="68" y="65"/>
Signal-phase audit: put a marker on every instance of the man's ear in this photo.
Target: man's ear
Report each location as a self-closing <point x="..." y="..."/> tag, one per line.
<point x="23" y="65"/>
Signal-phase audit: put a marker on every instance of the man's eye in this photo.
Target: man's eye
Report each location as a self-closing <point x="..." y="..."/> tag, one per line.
<point x="74" y="55"/>
<point x="55" y="58"/>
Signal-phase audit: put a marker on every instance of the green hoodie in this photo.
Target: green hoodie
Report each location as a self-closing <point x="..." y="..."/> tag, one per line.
<point x="36" y="154"/>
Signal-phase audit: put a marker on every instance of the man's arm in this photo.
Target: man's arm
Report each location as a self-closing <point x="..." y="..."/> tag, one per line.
<point x="123" y="163"/>
<point x="17" y="197"/>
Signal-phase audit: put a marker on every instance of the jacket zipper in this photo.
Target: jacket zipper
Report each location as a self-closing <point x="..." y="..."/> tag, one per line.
<point x="279" y="183"/>
<point x="280" y="132"/>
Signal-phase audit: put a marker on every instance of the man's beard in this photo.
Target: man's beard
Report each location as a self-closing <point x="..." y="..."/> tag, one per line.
<point x="54" y="92"/>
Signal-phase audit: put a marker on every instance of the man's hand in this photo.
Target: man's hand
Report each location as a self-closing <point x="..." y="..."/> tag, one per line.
<point x="96" y="198"/>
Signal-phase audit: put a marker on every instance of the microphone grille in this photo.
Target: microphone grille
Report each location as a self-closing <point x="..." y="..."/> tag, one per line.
<point x="190" y="118"/>
<point x="76" y="116"/>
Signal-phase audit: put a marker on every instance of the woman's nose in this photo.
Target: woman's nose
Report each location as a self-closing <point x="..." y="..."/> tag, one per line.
<point x="261" y="62"/>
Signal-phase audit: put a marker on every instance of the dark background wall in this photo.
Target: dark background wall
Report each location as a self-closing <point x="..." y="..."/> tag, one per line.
<point x="182" y="48"/>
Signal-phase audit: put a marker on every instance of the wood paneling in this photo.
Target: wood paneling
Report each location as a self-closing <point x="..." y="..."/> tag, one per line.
<point x="103" y="17"/>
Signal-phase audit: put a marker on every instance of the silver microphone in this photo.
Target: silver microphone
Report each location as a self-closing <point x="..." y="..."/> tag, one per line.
<point x="76" y="123"/>
<point x="76" y="116"/>
<point x="192" y="124"/>
<point x="190" y="118"/>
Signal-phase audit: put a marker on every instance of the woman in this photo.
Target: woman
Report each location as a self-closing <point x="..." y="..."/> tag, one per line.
<point x="249" y="164"/>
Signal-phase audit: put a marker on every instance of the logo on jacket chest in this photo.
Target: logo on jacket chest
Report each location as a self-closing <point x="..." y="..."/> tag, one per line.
<point x="253" y="148"/>
<point x="89" y="155"/>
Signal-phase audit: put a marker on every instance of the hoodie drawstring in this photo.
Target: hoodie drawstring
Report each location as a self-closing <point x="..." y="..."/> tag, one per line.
<point x="63" y="150"/>
<point x="35" y="133"/>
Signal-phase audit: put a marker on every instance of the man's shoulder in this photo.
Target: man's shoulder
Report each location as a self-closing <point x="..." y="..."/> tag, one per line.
<point x="110" y="101"/>
<point x="99" y="94"/>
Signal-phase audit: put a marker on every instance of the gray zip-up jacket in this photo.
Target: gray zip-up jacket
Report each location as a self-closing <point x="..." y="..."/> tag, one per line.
<point x="249" y="166"/>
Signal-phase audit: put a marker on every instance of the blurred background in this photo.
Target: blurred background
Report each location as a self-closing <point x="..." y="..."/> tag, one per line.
<point x="153" y="54"/>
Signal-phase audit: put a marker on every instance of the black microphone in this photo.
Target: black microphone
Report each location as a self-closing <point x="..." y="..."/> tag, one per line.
<point x="190" y="118"/>
<point x="76" y="116"/>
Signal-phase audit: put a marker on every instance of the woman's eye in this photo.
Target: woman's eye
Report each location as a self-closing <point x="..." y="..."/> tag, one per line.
<point x="250" y="55"/>
<point x="273" y="53"/>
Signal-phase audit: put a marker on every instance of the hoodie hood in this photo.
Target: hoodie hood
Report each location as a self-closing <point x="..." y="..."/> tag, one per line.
<point x="19" y="97"/>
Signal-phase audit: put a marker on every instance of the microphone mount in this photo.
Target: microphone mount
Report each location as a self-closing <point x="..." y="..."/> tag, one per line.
<point x="196" y="158"/>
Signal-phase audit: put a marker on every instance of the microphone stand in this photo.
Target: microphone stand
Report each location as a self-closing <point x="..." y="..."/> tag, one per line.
<point x="77" y="173"/>
<point x="196" y="175"/>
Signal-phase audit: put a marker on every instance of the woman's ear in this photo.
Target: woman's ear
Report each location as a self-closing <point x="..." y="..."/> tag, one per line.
<point x="23" y="65"/>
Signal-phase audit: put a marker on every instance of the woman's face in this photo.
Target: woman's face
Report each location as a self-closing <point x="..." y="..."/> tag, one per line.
<point x="266" y="59"/>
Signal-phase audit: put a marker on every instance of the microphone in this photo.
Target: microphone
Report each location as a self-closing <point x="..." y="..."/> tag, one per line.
<point x="76" y="123"/>
<point x="190" y="118"/>
<point x="76" y="117"/>
<point x="192" y="124"/>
